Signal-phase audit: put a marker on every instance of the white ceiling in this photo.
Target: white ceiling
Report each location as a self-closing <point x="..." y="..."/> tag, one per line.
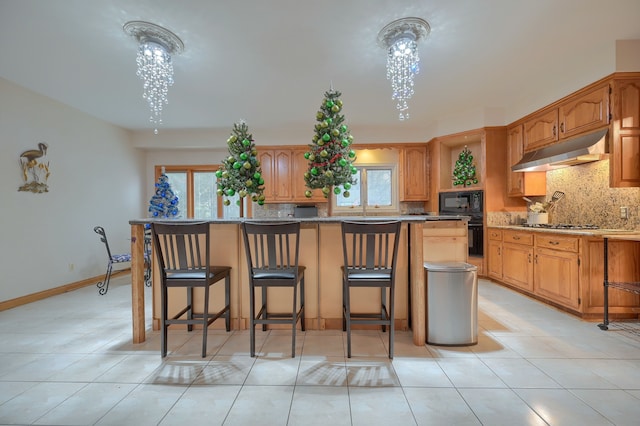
<point x="269" y="62"/>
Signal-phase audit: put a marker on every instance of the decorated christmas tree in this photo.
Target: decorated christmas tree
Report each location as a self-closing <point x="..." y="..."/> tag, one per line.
<point x="240" y="172"/>
<point x="330" y="155"/>
<point x="164" y="203"/>
<point x="464" y="172"/>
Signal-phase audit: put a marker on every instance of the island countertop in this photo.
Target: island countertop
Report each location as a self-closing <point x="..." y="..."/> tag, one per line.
<point x="317" y="219"/>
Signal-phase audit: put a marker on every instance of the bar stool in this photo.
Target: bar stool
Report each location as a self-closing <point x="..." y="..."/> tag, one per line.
<point x="183" y="253"/>
<point x="370" y="251"/>
<point x="272" y="256"/>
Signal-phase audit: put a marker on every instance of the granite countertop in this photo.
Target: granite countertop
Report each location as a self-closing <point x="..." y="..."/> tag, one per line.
<point x="325" y="219"/>
<point x="580" y="232"/>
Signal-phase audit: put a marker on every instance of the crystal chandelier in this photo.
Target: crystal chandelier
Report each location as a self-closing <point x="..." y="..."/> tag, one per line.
<point x="156" y="45"/>
<point x="400" y="39"/>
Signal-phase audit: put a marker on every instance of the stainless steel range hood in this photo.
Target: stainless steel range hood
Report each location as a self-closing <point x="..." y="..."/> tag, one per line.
<point x="579" y="150"/>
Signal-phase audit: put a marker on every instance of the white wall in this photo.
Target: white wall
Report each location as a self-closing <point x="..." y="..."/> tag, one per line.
<point x="97" y="177"/>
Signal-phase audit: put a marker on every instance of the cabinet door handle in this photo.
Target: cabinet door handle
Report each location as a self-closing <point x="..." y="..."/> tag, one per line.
<point x="554" y="130"/>
<point x="499" y="251"/>
<point x="562" y="127"/>
<point x="529" y="257"/>
<point x="554" y="243"/>
<point x="515" y="237"/>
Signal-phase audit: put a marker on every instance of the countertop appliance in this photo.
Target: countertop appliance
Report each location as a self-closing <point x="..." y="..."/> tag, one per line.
<point x="466" y="203"/>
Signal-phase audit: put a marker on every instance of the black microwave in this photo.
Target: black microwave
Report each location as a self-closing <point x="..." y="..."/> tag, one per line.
<point x="466" y="203"/>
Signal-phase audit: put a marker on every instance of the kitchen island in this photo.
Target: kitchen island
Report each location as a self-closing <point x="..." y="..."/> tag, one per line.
<point x="321" y="254"/>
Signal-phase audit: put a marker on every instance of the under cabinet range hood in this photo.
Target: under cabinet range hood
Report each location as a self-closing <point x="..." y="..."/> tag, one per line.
<point x="579" y="150"/>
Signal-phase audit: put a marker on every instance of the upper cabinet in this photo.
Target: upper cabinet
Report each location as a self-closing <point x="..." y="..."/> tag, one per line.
<point x="521" y="184"/>
<point x="299" y="185"/>
<point x="541" y="130"/>
<point x="624" y="161"/>
<point x="276" y="172"/>
<point x="283" y="173"/>
<point x="584" y="112"/>
<point x="574" y="115"/>
<point x="414" y="173"/>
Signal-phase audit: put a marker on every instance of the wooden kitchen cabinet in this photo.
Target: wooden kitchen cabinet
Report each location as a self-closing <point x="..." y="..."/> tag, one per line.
<point x="299" y="186"/>
<point x="579" y="113"/>
<point x="520" y="184"/>
<point x="276" y="171"/>
<point x="517" y="259"/>
<point x="494" y="248"/>
<point x="414" y="173"/>
<point x="541" y="130"/>
<point x="557" y="269"/>
<point x="584" y="112"/>
<point x="624" y="162"/>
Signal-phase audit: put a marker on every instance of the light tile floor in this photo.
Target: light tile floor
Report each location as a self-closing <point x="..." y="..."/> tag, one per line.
<point x="69" y="360"/>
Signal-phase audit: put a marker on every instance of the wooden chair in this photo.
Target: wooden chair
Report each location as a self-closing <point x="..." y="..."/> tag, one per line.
<point x="272" y="257"/>
<point x="370" y="250"/>
<point x="183" y="254"/>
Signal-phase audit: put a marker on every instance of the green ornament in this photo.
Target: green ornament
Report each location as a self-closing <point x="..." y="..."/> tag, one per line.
<point x="335" y="108"/>
<point x="314" y="171"/>
<point x="308" y="193"/>
<point x="220" y="192"/>
<point x="246" y="142"/>
<point x="342" y="162"/>
<point x="352" y="154"/>
<point x="324" y="153"/>
<point x="329" y="103"/>
<point x="261" y="202"/>
<point x="320" y="142"/>
<point x="335" y="132"/>
<point x="247" y="165"/>
<point x="237" y="165"/>
<point x="328" y="174"/>
<point x="343" y="128"/>
<point x="312" y="157"/>
<point x="345" y="143"/>
<point x="326" y="137"/>
<point x="329" y="121"/>
<point x="219" y="174"/>
<point x="248" y="183"/>
<point x="260" y="181"/>
<point x="242" y="193"/>
<point x="243" y="156"/>
<point x="337" y="190"/>
<point x="306" y="155"/>
<point x="319" y="115"/>
<point x="339" y="103"/>
<point x="346" y="194"/>
<point x="256" y="175"/>
<point x="226" y="202"/>
<point x="326" y="190"/>
<point x="347" y="185"/>
<point x="231" y="192"/>
<point x="225" y="174"/>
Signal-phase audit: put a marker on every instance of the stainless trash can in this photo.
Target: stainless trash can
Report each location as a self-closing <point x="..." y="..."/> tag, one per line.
<point x="452" y="303"/>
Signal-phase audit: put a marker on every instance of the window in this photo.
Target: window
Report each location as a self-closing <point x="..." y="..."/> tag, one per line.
<point x="375" y="191"/>
<point x="196" y="187"/>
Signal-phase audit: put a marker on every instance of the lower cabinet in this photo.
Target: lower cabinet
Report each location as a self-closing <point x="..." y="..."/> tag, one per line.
<point x="541" y="264"/>
<point x="517" y="266"/>
<point x="556" y="277"/>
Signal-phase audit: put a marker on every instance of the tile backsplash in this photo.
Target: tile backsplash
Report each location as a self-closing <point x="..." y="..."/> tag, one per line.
<point x="588" y="199"/>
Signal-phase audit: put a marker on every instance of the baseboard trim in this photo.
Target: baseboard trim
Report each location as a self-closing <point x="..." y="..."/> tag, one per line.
<point x="34" y="297"/>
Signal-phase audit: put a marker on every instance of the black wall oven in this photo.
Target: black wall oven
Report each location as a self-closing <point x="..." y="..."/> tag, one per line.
<point x="466" y="203"/>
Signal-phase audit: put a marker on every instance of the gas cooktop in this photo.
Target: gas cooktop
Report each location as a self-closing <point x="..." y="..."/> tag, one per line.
<point x="560" y="226"/>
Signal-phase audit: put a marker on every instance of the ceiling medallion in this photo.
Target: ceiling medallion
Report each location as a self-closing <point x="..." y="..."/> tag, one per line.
<point x="400" y="39"/>
<point x="155" y="68"/>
